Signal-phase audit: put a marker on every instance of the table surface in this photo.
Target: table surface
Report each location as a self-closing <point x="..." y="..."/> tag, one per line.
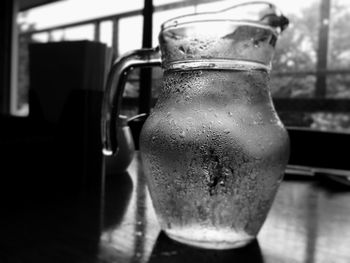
<point x="309" y="222"/>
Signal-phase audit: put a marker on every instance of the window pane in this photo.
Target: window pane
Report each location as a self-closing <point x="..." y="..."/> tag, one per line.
<point x="106" y="33"/>
<point x="63" y="12"/>
<point x="164" y="2"/>
<point x="40" y="37"/>
<point x="57" y="35"/>
<point x="339" y="35"/>
<point x="331" y="121"/>
<point x="79" y="33"/>
<point x="296" y="48"/>
<point x="130" y="34"/>
<point x="215" y="6"/>
<point x="296" y="51"/>
<point x="292" y="86"/>
<point x="338" y="86"/>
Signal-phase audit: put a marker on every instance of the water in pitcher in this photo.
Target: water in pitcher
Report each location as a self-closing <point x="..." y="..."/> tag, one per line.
<point x="213" y="148"/>
<point x="216" y="151"/>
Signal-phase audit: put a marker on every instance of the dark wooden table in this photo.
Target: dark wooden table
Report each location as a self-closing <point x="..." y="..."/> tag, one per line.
<point x="309" y="222"/>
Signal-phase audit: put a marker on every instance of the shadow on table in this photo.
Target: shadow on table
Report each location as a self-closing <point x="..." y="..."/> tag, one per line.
<point x="168" y="250"/>
<point x="118" y="189"/>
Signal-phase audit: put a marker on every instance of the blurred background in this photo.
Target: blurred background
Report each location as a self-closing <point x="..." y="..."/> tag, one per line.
<point x="310" y="81"/>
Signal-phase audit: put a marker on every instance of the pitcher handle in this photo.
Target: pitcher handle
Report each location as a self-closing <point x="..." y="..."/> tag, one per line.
<point x="115" y="88"/>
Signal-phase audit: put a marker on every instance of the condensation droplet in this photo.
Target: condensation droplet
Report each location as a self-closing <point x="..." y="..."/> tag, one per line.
<point x="182" y="134"/>
<point x="139" y="233"/>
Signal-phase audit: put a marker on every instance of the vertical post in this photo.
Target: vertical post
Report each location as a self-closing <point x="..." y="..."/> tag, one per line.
<point x="8" y="54"/>
<point x="50" y="39"/>
<point x="146" y="73"/>
<point x="115" y="36"/>
<point x="97" y="29"/>
<point x="322" y="52"/>
<point x="63" y="36"/>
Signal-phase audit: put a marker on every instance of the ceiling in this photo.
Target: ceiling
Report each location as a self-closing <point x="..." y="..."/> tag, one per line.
<point x="27" y="4"/>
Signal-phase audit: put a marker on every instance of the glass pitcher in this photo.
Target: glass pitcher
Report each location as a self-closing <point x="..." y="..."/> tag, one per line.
<point x="213" y="148"/>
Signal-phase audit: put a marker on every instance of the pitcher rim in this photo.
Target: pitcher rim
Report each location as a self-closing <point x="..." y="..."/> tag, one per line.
<point x="201" y="17"/>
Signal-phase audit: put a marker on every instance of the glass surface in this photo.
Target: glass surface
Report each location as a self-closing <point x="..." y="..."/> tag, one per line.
<point x="161" y="16"/>
<point x="207" y="149"/>
<point x="213" y="149"/>
<point x="209" y="156"/>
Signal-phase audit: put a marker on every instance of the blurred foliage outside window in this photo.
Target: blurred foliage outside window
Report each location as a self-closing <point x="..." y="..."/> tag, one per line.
<point x="296" y="52"/>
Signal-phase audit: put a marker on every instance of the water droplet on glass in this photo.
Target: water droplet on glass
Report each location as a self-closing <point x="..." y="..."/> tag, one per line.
<point x="173" y="136"/>
<point x="182" y="50"/>
<point x="139" y="233"/>
<point x="182" y="134"/>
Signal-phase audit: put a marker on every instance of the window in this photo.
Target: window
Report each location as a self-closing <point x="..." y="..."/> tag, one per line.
<point x="310" y="80"/>
<point x="312" y="61"/>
